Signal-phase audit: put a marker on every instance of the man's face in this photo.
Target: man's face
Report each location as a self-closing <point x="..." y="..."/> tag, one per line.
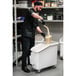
<point x="39" y="8"/>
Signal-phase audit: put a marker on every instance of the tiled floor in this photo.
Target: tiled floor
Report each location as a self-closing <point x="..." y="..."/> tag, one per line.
<point x="58" y="71"/>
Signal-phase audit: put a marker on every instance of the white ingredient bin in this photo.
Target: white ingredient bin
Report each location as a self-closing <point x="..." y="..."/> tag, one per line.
<point x="44" y="55"/>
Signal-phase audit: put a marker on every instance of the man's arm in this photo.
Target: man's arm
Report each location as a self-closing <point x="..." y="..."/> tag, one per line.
<point x="35" y="15"/>
<point x="40" y="31"/>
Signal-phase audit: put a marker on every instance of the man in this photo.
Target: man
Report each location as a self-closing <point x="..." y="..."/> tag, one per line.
<point x="28" y="33"/>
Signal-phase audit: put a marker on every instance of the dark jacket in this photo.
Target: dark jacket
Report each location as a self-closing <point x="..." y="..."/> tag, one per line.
<point x="30" y="24"/>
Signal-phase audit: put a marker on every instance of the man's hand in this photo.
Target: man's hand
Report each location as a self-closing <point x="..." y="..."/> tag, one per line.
<point x="43" y="34"/>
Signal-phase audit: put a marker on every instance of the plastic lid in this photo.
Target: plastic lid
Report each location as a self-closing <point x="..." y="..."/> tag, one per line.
<point x="40" y="47"/>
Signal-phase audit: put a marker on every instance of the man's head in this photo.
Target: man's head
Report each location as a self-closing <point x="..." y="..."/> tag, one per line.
<point x="38" y="6"/>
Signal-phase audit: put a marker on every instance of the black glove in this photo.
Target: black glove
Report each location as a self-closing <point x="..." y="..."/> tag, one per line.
<point x="43" y="22"/>
<point x="43" y="34"/>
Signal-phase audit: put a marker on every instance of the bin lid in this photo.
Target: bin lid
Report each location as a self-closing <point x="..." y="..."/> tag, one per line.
<point x="40" y="47"/>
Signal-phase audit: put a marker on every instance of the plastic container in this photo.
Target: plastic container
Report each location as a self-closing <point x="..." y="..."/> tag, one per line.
<point x="44" y="55"/>
<point x="48" y="39"/>
<point x="50" y="17"/>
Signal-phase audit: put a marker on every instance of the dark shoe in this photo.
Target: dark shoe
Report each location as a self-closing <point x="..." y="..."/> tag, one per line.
<point x="25" y="69"/>
<point x="30" y="67"/>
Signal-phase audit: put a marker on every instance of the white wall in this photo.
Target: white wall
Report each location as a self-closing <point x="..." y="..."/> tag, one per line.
<point x="56" y="29"/>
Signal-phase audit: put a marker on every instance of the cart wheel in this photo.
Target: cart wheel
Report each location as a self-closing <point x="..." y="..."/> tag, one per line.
<point x="61" y="58"/>
<point x="38" y="71"/>
<point x="53" y="67"/>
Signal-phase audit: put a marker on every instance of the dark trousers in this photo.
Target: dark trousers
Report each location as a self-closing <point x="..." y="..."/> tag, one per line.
<point x="27" y="44"/>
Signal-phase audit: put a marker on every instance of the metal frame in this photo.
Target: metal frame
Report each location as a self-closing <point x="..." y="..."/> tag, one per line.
<point x="15" y="15"/>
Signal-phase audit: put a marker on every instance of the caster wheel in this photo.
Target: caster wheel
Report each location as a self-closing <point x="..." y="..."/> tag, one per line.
<point x="61" y="58"/>
<point x="38" y="71"/>
<point x="53" y="67"/>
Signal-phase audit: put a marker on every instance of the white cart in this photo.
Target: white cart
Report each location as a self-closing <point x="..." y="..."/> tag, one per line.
<point x="44" y="55"/>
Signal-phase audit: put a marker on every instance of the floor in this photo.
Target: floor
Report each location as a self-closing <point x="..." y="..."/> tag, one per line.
<point x="58" y="71"/>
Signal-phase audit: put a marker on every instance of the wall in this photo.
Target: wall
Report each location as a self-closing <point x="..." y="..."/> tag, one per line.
<point x="56" y="29"/>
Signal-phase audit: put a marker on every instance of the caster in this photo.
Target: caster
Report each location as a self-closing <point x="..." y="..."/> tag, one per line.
<point x="53" y="67"/>
<point x="61" y="58"/>
<point x="38" y="71"/>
